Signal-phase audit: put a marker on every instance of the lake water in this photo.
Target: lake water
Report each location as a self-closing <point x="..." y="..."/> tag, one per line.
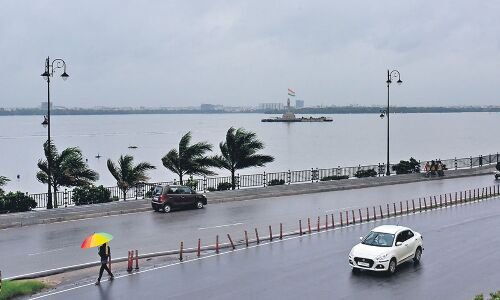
<point x="348" y="141"/>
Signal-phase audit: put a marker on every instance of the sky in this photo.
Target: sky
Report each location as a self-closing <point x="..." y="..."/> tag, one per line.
<point x="242" y="53"/>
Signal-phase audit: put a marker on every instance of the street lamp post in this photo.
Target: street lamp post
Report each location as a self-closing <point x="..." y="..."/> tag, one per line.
<point x="391" y="75"/>
<point x="50" y="67"/>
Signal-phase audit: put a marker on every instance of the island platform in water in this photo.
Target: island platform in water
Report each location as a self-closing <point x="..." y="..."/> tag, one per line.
<point x="290" y="117"/>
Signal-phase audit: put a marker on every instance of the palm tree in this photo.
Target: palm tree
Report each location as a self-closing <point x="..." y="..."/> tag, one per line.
<point x="126" y="174"/>
<point x="239" y="152"/>
<point x="67" y="168"/>
<point x="3" y="181"/>
<point x="189" y="159"/>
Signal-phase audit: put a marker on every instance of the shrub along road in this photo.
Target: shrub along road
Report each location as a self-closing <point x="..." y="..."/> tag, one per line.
<point x="41" y="247"/>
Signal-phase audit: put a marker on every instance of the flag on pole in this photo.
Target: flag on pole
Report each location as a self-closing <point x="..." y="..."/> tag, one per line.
<point x="291" y="93"/>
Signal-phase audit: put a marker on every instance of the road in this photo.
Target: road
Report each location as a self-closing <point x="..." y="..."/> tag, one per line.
<point x="41" y="247"/>
<point x="459" y="261"/>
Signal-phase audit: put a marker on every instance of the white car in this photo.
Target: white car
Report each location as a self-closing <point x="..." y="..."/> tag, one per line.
<point x="385" y="247"/>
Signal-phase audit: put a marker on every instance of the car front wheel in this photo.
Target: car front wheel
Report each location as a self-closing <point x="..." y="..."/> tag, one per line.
<point x="418" y="256"/>
<point x="199" y="204"/>
<point x="167" y="208"/>
<point x="392" y="267"/>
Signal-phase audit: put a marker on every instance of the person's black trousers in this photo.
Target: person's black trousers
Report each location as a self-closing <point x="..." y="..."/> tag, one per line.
<point x="104" y="267"/>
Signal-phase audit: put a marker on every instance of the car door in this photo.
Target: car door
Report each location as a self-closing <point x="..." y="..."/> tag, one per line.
<point x="174" y="196"/>
<point x="411" y="241"/>
<point x="400" y="251"/>
<point x="407" y="244"/>
<point x="185" y="196"/>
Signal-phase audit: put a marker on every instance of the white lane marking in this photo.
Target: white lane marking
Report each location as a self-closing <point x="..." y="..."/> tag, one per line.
<point x="219" y="226"/>
<point x="54" y="250"/>
<point x="264" y="244"/>
<point x="77" y="220"/>
<point x="340" y="209"/>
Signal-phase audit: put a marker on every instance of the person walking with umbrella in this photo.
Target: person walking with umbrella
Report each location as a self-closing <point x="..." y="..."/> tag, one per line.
<point x="104" y="253"/>
<point x="100" y="240"/>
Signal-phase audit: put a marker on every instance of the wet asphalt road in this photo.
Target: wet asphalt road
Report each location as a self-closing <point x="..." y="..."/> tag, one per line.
<point x="459" y="261"/>
<point x="41" y="247"/>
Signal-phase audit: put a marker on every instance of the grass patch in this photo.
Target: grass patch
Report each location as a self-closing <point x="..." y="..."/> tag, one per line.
<point x="11" y="289"/>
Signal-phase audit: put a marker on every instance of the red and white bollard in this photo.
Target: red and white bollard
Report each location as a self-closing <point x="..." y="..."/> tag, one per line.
<point x="136" y="260"/>
<point x="180" y="251"/>
<point x="199" y="247"/>
<point x="231" y="241"/>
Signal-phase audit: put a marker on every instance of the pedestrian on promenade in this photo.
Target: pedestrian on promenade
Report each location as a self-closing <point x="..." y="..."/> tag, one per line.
<point x="433" y="168"/>
<point x="104" y="253"/>
<point x="427" y="169"/>
<point x="480" y="160"/>
<point x="440" y="168"/>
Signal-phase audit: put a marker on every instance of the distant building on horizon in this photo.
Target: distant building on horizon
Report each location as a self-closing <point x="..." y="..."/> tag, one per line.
<point x="299" y="104"/>
<point x="211" y="107"/>
<point x="271" y="106"/>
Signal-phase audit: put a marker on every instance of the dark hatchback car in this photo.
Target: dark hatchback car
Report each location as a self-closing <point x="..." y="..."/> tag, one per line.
<point x="166" y="197"/>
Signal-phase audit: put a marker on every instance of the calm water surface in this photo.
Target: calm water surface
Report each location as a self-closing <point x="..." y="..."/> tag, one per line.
<point x="349" y="140"/>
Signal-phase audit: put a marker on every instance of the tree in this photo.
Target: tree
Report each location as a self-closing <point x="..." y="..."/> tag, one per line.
<point x="189" y="159"/>
<point x="67" y="168"/>
<point x="239" y="151"/>
<point x="126" y="174"/>
<point x="3" y="181"/>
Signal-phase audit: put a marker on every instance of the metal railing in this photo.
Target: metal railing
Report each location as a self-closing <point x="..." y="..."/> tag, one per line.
<point x="64" y="198"/>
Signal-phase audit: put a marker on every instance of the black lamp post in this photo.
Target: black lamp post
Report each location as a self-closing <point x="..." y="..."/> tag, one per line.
<point x="49" y="72"/>
<point x="391" y="75"/>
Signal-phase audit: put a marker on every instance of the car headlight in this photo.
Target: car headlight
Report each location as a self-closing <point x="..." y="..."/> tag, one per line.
<point x="382" y="257"/>
<point x="350" y="255"/>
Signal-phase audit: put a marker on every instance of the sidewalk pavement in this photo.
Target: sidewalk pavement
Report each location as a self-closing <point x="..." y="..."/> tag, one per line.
<point x="142" y="205"/>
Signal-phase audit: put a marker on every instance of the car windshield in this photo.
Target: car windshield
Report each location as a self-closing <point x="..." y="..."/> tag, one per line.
<point x="378" y="239"/>
<point x="158" y="190"/>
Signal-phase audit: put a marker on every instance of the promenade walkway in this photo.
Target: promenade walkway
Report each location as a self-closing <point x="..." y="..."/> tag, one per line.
<point x="134" y="206"/>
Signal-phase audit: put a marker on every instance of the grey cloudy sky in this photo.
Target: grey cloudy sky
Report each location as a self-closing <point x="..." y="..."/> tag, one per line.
<point x="179" y="53"/>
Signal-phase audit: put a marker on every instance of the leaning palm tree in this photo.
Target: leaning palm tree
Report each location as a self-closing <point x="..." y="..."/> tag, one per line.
<point x="3" y="181"/>
<point x="189" y="159"/>
<point x="239" y="151"/>
<point x="126" y="174"/>
<point x="67" y="168"/>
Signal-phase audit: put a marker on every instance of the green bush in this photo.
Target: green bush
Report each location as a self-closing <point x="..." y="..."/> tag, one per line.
<point x="366" y="173"/>
<point x="335" y="177"/>
<point x="16" y="202"/>
<point x="211" y="189"/>
<point x="407" y="167"/>
<point x="192" y="183"/>
<point x="91" y="194"/>
<point x="493" y="296"/>
<point x="276" y="182"/>
<point x="224" y="186"/>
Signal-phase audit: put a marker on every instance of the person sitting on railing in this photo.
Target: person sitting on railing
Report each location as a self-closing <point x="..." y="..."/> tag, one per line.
<point x="440" y="168"/>
<point x="433" y="168"/>
<point x="427" y="169"/>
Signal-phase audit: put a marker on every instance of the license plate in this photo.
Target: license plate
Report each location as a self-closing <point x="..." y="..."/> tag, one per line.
<point x="363" y="264"/>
